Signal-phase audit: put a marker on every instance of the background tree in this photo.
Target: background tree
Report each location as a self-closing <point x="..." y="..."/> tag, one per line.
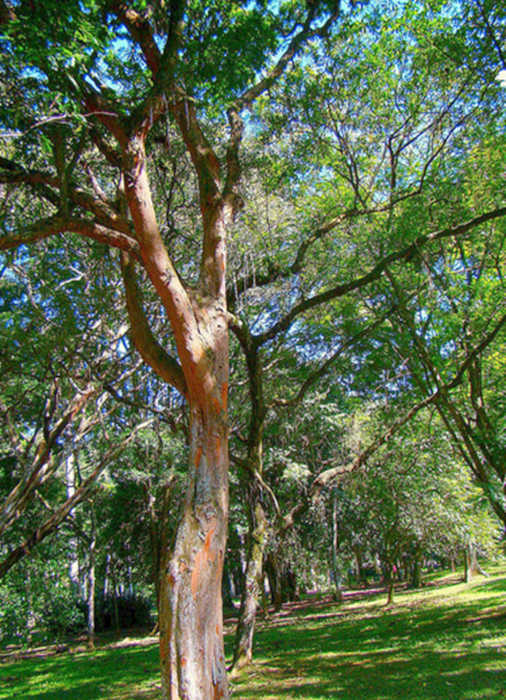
<point x="57" y="394"/>
<point x="366" y="161"/>
<point x="410" y="503"/>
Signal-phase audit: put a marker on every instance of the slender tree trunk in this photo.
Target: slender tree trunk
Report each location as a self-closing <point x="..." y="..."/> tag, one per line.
<point x="388" y="575"/>
<point x="70" y="484"/>
<point x="115" y="610"/>
<point x="334" y="548"/>
<point x="416" y="577"/>
<point x="191" y="621"/>
<point x="30" y="618"/>
<point x="390" y="590"/>
<point x="274" y="574"/>
<point x="228" y="590"/>
<point x="358" y="564"/>
<point x="416" y="570"/>
<point x="289" y="585"/>
<point x="252" y="589"/>
<point x="90" y="598"/>
<point x="106" y="583"/>
<point x="471" y="567"/>
<point x="264" y="597"/>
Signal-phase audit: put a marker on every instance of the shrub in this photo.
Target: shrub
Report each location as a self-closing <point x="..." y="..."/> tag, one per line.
<point x="132" y="611"/>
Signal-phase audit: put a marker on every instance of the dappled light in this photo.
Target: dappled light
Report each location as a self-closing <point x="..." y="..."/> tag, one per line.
<point x="252" y="349"/>
<point x="450" y="643"/>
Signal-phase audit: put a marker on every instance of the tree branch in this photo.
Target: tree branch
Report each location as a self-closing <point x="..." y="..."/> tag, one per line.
<point x="404" y="254"/>
<point x="20" y="494"/>
<point x="150" y="350"/>
<point x="55" y="225"/>
<point x="103" y="210"/>
<point x="330" y="475"/>
<point x="296" y="43"/>
<point x="140" y="30"/>
<point x="161" y="64"/>
<point x="63" y="511"/>
<point x="324" y="368"/>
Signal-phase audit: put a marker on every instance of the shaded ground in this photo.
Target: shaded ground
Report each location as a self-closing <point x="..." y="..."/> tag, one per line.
<point x="444" y="641"/>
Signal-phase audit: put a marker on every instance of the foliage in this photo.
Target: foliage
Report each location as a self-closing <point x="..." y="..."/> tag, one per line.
<point x="365" y="259"/>
<point x="37" y="606"/>
<point x="413" y="499"/>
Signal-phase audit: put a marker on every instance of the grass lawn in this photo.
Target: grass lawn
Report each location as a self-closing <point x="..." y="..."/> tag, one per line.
<point x="447" y="640"/>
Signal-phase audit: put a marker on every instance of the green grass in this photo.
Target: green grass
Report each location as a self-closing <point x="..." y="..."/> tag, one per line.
<point x="125" y="673"/>
<point x="444" y="641"/>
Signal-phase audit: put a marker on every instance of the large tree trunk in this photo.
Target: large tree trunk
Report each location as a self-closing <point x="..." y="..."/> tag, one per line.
<point x="252" y="589"/>
<point x="191" y="625"/>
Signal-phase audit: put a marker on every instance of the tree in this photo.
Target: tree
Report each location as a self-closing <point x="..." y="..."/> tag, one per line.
<point x="412" y="500"/>
<point x="89" y="85"/>
<point x="59" y="405"/>
<point x="366" y="161"/>
<point x="104" y="90"/>
<point x="440" y="338"/>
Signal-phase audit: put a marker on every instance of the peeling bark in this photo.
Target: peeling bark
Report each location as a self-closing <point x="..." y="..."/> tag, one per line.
<point x="191" y="626"/>
<point x="190" y="603"/>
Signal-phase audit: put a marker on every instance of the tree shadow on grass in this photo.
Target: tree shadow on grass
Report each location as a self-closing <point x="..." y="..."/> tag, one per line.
<point x="381" y="677"/>
<point x="417" y="653"/>
<point x="112" y="673"/>
<point x="497" y="586"/>
<point x="408" y="651"/>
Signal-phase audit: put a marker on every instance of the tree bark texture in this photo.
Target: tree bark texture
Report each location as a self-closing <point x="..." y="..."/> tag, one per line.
<point x="190" y="609"/>
<point x="191" y="635"/>
<point x="252" y="589"/>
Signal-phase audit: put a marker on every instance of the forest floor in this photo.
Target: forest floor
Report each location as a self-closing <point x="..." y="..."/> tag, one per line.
<point x="444" y="640"/>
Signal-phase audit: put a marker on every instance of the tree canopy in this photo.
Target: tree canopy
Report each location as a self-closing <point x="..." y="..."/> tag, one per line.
<point x="324" y="180"/>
